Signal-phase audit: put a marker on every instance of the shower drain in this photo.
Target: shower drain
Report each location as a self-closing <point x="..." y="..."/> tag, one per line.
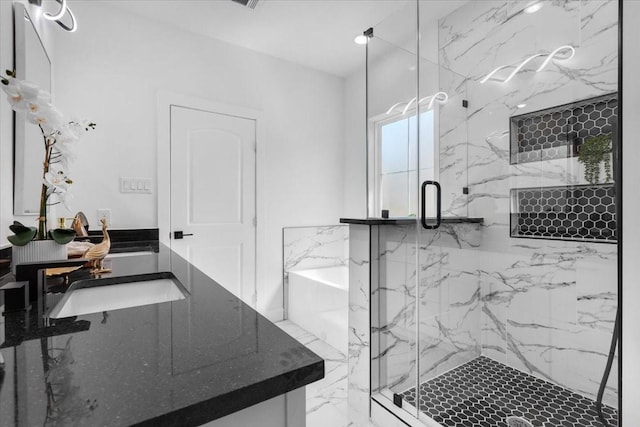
<point x="518" y="422"/>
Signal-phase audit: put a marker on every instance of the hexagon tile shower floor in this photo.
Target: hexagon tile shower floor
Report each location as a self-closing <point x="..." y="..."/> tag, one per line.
<point x="484" y="393"/>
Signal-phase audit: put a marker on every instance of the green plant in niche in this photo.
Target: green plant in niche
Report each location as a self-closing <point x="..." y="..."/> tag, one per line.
<point x="591" y="153"/>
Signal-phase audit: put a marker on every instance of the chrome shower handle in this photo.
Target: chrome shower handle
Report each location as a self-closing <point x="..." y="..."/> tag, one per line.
<point x="423" y="210"/>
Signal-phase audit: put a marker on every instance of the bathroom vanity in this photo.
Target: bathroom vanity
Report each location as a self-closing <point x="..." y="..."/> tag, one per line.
<point x="205" y="359"/>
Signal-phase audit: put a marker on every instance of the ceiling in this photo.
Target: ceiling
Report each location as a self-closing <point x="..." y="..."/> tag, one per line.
<point x="314" y="33"/>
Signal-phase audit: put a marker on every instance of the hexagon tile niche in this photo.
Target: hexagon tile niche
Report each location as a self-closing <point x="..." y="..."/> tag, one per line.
<point x="556" y="132"/>
<point x="580" y="212"/>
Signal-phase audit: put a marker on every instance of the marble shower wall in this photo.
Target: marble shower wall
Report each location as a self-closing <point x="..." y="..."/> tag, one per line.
<point x="449" y="312"/>
<point x="452" y="130"/>
<point x="547" y="307"/>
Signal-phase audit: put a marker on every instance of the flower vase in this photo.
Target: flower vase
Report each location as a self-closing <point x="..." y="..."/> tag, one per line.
<point x="37" y="250"/>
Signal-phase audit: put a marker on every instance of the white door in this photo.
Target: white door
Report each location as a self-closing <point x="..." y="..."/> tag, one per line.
<point x="213" y="196"/>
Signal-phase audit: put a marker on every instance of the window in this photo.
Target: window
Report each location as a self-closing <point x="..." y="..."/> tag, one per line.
<point x="395" y="182"/>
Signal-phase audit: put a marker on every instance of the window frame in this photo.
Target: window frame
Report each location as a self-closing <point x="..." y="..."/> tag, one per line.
<point x="374" y="161"/>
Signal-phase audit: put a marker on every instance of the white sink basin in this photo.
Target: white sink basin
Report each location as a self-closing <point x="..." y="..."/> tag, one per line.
<point x="98" y="295"/>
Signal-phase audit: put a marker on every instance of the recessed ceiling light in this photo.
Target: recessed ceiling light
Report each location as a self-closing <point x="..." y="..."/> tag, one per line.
<point x="361" y="39"/>
<point x="521" y="105"/>
<point x="534" y="7"/>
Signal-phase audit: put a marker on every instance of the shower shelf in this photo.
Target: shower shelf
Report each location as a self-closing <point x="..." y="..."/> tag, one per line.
<point x="580" y="212"/>
<point x="408" y="220"/>
<point x="557" y="132"/>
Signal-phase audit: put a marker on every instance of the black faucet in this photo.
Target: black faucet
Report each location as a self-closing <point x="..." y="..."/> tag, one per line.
<point x="32" y="274"/>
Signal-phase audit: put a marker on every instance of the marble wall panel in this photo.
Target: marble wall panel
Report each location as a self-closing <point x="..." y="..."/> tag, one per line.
<point x="359" y="358"/>
<point x="447" y="324"/>
<point x="315" y="247"/>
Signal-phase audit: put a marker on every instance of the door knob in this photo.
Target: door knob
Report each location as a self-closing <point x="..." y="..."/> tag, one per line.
<point x="180" y="234"/>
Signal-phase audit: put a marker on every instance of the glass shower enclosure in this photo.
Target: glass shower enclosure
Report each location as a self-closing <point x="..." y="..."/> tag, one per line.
<point x="491" y="135"/>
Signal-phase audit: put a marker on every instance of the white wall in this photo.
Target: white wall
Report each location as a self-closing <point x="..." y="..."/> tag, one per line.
<point x="355" y="160"/>
<point x="631" y="207"/>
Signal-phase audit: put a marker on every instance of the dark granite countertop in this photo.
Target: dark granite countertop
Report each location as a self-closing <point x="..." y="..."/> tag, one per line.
<point x="181" y="363"/>
<point x="408" y="221"/>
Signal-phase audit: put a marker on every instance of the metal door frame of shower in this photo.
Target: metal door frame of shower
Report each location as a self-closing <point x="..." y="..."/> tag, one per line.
<point x="618" y="189"/>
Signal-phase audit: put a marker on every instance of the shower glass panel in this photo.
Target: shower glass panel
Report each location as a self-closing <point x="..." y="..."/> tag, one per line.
<point x="505" y="309"/>
<point x="393" y="128"/>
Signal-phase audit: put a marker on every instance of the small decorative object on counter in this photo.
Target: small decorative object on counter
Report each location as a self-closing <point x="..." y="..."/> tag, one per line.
<point x="97" y="253"/>
<point x="385" y="213"/>
<point x="77" y="249"/>
<point x="591" y="153"/>
<point x="58" y="135"/>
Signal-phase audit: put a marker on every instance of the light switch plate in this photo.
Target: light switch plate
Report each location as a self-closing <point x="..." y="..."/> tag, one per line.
<point x="135" y="185"/>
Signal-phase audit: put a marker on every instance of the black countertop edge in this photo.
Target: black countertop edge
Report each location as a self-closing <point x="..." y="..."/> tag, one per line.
<point x="408" y="221"/>
<point x="213" y="409"/>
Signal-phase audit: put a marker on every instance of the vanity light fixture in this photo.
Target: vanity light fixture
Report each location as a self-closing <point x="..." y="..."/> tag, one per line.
<point x="563" y="53"/>
<point x="57" y="17"/>
<point x="534" y="7"/>
<point x="440" y="97"/>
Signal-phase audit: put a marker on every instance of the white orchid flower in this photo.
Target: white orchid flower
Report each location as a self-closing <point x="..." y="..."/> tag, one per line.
<point x="56" y="179"/>
<point x="69" y="132"/>
<point x="29" y="90"/>
<point x="63" y="154"/>
<point x="15" y="96"/>
<point x="21" y="93"/>
<point x="44" y="115"/>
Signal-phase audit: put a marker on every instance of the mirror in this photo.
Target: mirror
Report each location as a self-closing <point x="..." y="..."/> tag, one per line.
<point x="31" y="63"/>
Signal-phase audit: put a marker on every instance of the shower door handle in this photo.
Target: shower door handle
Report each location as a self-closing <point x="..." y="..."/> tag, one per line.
<point x="423" y="213"/>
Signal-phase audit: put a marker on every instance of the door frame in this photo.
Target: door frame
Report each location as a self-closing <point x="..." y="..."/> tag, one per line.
<point x="165" y="101"/>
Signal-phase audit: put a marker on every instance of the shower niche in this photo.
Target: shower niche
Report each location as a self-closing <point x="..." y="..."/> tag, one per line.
<point x="581" y="212"/>
<point x="558" y="132"/>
